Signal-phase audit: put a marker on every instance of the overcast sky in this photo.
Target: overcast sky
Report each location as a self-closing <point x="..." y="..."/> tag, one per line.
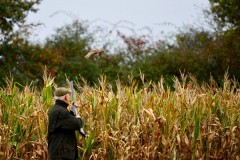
<point x="159" y="15"/>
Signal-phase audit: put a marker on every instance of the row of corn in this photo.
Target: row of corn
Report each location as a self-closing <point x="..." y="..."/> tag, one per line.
<point x="149" y="122"/>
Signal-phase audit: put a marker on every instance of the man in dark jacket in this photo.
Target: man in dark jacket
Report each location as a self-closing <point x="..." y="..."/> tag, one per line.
<point x="62" y="124"/>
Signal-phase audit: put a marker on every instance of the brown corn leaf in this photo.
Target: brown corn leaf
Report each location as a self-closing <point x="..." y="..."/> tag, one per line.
<point x="178" y="139"/>
<point x="39" y="152"/>
<point x="186" y="140"/>
<point x="211" y="136"/>
<point x="198" y="154"/>
<point x="164" y="141"/>
<point x="234" y="128"/>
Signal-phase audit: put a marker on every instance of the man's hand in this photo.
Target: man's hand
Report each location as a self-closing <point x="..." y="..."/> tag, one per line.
<point x="78" y="116"/>
<point x="74" y="104"/>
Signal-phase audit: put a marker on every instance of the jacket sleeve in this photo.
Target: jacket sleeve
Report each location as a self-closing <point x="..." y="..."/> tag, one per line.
<point x="68" y="121"/>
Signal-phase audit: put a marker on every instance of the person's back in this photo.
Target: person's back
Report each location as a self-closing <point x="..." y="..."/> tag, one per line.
<point x="62" y="125"/>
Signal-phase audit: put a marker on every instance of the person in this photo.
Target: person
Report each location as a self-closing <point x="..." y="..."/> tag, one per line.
<point x="62" y="124"/>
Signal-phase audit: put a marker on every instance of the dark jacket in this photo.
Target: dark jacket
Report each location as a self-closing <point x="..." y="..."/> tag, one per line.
<point x="61" y="136"/>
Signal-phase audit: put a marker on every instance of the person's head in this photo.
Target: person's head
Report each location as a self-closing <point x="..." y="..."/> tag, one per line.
<point x="62" y="93"/>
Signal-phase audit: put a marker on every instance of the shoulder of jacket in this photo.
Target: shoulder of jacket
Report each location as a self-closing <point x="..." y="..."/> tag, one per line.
<point x="60" y="110"/>
<point x="56" y="109"/>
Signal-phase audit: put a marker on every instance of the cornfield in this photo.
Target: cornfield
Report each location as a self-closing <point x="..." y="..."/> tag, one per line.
<point x="192" y="121"/>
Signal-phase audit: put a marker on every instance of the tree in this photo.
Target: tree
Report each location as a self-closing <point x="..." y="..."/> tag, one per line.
<point x="13" y="48"/>
<point x="69" y="44"/>
<point x="226" y="12"/>
<point x="14" y="13"/>
<point x="224" y="51"/>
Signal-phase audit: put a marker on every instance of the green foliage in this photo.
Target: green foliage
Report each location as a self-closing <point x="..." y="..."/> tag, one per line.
<point x="226" y="12"/>
<point x="224" y="55"/>
<point x="195" y="51"/>
<point x="15" y="52"/>
<point x="187" y="55"/>
<point x="69" y="44"/>
<point x="14" y="13"/>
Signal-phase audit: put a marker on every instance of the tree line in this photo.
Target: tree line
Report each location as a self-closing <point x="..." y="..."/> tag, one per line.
<point x="199" y="52"/>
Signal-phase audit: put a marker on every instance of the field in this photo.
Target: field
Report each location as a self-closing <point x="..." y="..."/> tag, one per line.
<point x="150" y="122"/>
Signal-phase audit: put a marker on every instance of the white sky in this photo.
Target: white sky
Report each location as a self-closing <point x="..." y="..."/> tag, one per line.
<point x="159" y="15"/>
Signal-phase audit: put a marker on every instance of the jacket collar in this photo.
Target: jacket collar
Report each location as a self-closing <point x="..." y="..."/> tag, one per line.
<point x="61" y="103"/>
